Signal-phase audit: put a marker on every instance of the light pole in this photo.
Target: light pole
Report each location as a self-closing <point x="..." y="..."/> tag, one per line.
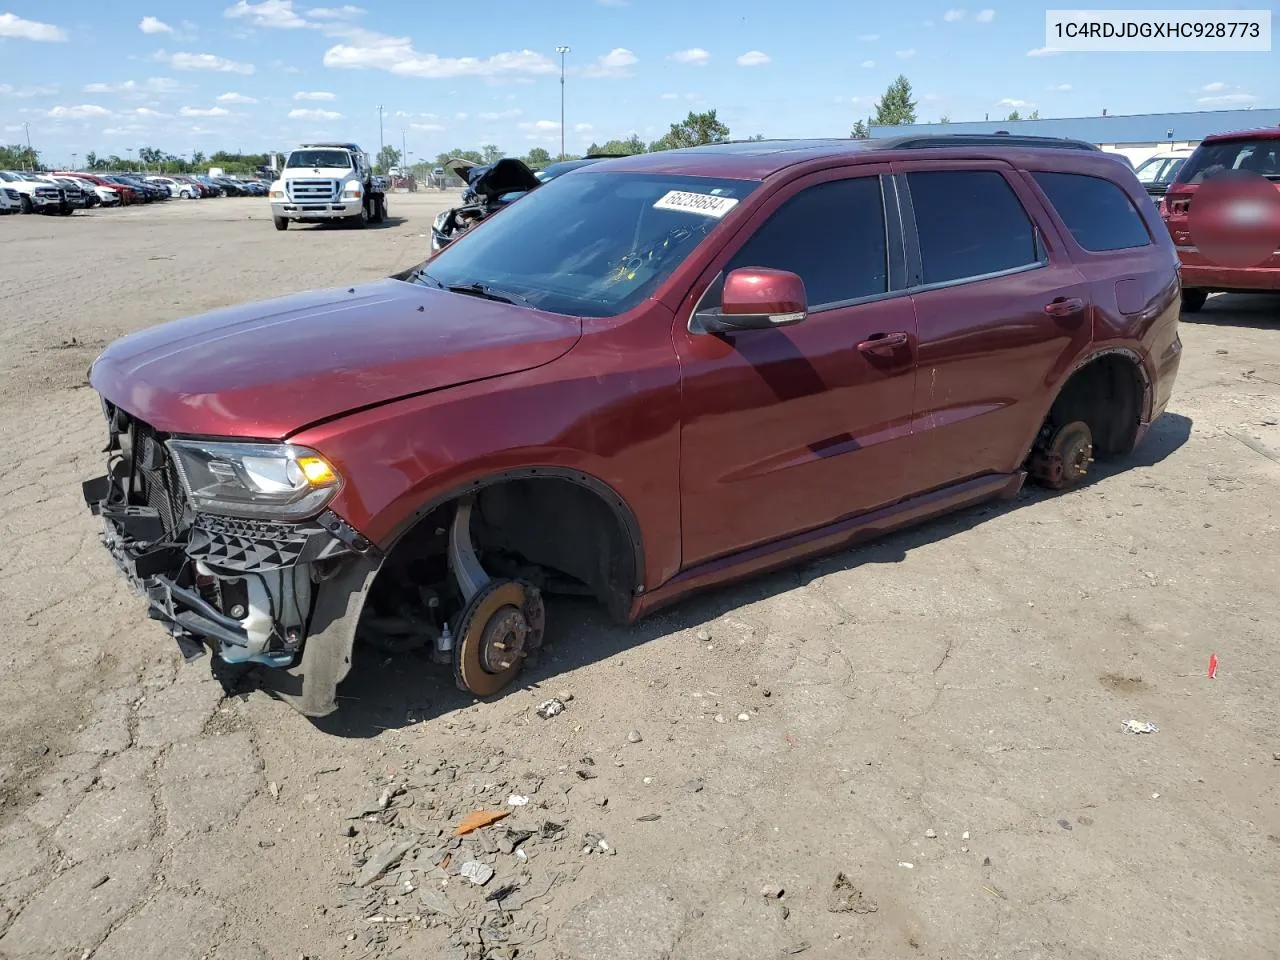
<point x="30" y="153"/>
<point x="562" y="50"/>
<point x="73" y="160"/>
<point x="381" y="144"/>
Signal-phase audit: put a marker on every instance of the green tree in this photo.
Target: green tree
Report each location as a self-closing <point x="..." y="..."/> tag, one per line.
<point x="459" y="154"/>
<point x="1014" y="115"/>
<point x="538" y="157"/>
<point x="632" y="145"/>
<point x="197" y="159"/>
<point x="859" y="131"/>
<point x="490" y="153"/>
<point x="1034" y="115"/>
<point x="388" y="157"/>
<point x="19" y="157"/>
<point x="91" y="161"/>
<point x="896" y="106"/>
<point x="694" y="130"/>
<point x="944" y="119"/>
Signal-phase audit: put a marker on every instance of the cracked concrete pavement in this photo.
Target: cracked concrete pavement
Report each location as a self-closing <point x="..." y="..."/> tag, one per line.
<point x="936" y="715"/>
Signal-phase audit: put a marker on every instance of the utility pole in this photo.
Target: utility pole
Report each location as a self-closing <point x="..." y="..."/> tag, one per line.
<point x="404" y="153"/>
<point x="562" y="50"/>
<point x="381" y="144"/>
<point x="30" y="153"/>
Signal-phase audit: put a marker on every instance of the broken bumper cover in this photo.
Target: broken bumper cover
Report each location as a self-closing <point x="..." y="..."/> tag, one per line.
<point x="244" y="588"/>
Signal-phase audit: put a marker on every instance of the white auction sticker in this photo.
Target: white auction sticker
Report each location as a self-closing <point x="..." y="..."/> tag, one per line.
<point x="704" y="203"/>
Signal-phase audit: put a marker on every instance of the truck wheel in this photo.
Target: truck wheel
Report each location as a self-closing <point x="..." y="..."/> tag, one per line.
<point x="282" y="223"/>
<point x="379" y="210"/>
<point x="27" y="205"/>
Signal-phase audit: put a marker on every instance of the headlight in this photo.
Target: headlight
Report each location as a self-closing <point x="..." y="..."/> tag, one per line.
<point x="264" y="480"/>
<point x="353" y="189"/>
<point x="277" y="194"/>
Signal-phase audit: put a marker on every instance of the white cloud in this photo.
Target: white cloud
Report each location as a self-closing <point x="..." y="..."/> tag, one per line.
<point x="670" y="96"/>
<point x="869" y="37"/>
<point x="985" y="16"/>
<point x="39" y="90"/>
<point x="148" y="112"/>
<point x="375" y="51"/>
<point x="904" y="54"/>
<point x="951" y="16"/>
<point x="345" y="12"/>
<point x="203" y="61"/>
<point x="284" y="67"/>
<point x="615" y="63"/>
<point x="12" y="25"/>
<point x="235" y="98"/>
<point x="84" y="111"/>
<point x="268" y="13"/>
<point x="1215" y="87"/>
<point x="154" y="25"/>
<point x="1061" y="88"/>
<point x="694" y="55"/>
<point x="204" y="112"/>
<point x="583" y="128"/>
<point x="1043" y="52"/>
<point x="426" y="127"/>
<point x="460" y="116"/>
<point x="301" y="114"/>
<point x="1228" y="100"/>
<point x="868" y="64"/>
<point x="153" y="85"/>
<point x="1014" y="104"/>
<point x="492" y="116"/>
<point x="542" y="126"/>
<point x="753" y="58"/>
<point x="315" y="95"/>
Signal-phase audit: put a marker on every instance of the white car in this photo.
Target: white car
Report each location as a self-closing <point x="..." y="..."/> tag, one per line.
<point x="10" y="200"/>
<point x="1158" y="172"/>
<point x="108" y="196"/>
<point x="34" y="193"/>
<point x="176" y="188"/>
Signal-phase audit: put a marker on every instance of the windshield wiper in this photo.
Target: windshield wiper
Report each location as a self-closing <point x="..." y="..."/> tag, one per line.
<point x="487" y="292"/>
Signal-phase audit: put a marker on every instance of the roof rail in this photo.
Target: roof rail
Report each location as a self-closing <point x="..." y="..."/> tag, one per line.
<point x="998" y="139"/>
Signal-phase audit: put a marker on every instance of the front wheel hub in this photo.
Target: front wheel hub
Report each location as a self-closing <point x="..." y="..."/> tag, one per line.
<point x="500" y="626"/>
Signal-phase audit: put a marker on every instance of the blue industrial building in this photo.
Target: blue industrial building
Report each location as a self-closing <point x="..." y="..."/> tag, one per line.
<point x="1138" y="136"/>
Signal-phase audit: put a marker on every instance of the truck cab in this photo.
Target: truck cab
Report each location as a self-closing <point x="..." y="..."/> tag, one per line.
<point x="327" y="181"/>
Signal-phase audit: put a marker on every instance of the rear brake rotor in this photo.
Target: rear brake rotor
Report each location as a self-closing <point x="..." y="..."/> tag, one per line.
<point x="1073" y="448"/>
<point x="500" y="626"/>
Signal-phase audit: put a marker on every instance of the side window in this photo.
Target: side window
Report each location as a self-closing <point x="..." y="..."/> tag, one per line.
<point x="832" y="235"/>
<point x="970" y="223"/>
<point x="1096" y="211"/>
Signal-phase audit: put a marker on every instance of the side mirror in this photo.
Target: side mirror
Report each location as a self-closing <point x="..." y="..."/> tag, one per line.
<point x="756" y="298"/>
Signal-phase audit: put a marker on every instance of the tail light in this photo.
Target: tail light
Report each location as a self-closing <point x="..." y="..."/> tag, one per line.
<point x="1177" y="204"/>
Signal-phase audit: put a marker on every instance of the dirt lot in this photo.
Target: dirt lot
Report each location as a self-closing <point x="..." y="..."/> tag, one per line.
<point x="937" y="718"/>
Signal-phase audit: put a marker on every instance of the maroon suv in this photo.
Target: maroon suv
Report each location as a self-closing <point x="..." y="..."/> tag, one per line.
<point x="651" y="375"/>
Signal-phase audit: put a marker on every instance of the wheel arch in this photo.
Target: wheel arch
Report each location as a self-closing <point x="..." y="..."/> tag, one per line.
<point x="1132" y="361"/>
<point x="626" y="525"/>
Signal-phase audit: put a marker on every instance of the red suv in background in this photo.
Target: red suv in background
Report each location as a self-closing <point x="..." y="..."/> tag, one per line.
<point x="650" y="376"/>
<point x="1250" y="151"/>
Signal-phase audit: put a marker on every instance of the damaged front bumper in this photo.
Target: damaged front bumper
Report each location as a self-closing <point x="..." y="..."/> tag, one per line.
<point x="245" y="589"/>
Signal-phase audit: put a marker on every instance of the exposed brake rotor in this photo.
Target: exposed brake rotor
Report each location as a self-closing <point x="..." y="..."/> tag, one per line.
<point x="501" y="625"/>
<point x="1066" y="461"/>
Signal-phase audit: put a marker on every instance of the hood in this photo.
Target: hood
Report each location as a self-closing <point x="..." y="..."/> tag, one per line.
<point x="508" y="175"/>
<point x="267" y="369"/>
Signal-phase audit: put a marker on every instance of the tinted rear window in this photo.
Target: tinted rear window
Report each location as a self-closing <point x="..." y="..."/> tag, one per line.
<point x="1096" y="211"/>
<point x="1256" y="156"/>
<point x="970" y="223"/>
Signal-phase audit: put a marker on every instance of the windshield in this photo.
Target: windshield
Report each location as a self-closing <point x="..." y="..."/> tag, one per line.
<point x="8" y="177"/>
<point x="1160" y="170"/>
<point x="1256" y="156"/>
<point x="591" y="245"/>
<point x="320" y="158"/>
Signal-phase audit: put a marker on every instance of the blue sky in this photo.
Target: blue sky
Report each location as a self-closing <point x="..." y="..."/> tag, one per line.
<point x="236" y="74"/>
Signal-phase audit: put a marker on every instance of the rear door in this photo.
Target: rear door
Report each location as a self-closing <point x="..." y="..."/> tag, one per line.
<point x="1002" y="312"/>
<point x="790" y="429"/>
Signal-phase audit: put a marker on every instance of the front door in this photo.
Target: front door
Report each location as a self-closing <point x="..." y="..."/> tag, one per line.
<point x="789" y="429"/>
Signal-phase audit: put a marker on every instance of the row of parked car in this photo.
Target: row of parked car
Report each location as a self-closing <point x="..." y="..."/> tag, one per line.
<point x="64" y="192"/>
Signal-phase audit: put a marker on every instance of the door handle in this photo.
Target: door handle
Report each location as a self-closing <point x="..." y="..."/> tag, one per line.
<point x="1063" y="306"/>
<point x="883" y="343"/>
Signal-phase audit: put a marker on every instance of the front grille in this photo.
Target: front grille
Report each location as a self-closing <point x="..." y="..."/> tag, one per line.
<point x="49" y="193"/>
<point x="312" y="191"/>
<point x="160" y="486"/>
<point x="12" y="194"/>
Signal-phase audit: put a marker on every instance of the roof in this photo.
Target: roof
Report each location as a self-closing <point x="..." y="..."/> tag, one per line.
<point x="1136" y="128"/>
<point x="758" y="159"/>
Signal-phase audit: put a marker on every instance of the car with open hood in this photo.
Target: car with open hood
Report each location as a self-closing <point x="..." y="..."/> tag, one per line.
<point x="489" y="188"/>
<point x="644" y="379"/>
